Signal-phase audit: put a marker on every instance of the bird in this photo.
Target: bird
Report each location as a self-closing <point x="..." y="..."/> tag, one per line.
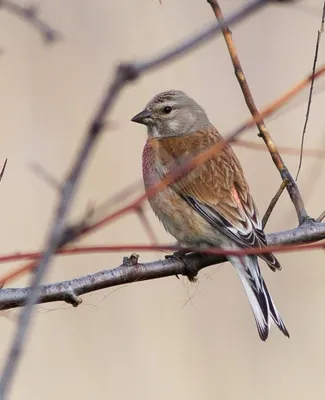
<point x="211" y="206"/>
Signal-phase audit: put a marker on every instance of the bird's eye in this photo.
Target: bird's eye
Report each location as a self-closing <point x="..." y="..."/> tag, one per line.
<point x="167" y="109"/>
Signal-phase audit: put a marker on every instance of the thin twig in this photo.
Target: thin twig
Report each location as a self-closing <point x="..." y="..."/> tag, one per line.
<point x="263" y="131"/>
<point x="146" y="225"/>
<point x="3" y="169"/>
<point x="273" y="202"/>
<point x="196" y="40"/>
<point x="30" y="15"/>
<point x="45" y="176"/>
<point x="118" y="198"/>
<point x="311" y="231"/>
<point x="124" y="74"/>
<point x="319" y="34"/>
<point x="69" y="291"/>
<point x="299" y="235"/>
<point x="321" y="217"/>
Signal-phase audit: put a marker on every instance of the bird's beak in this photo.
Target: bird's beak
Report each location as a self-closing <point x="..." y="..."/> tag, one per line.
<point x="142" y="117"/>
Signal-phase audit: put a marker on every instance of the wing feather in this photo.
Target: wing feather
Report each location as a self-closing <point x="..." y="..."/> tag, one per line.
<point x="218" y="191"/>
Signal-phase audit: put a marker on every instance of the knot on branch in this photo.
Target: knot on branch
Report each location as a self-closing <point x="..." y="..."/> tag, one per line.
<point x="131" y="261"/>
<point x="128" y="72"/>
<point x="70" y="297"/>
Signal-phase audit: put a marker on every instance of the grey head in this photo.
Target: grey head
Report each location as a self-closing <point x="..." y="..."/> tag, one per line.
<point x="172" y="114"/>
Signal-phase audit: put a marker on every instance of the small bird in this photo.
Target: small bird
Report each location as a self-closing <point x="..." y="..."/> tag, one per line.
<point x="212" y="205"/>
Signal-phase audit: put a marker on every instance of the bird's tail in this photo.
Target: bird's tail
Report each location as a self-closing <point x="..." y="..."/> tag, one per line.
<point x="259" y="297"/>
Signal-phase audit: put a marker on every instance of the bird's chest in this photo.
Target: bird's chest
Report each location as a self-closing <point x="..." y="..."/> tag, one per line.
<point x="165" y="203"/>
<point x="177" y="217"/>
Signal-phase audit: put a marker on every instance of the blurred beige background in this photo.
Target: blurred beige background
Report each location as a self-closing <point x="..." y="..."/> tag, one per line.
<point x="164" y="339"/>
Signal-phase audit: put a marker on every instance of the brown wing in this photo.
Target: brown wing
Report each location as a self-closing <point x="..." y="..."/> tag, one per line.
<point x="218" y="191"/>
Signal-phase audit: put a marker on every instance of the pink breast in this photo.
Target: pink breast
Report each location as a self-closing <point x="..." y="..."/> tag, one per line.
<point x="149" y="173"/>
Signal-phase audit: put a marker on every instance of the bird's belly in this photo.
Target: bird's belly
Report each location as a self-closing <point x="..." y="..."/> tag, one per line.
<point x="182" y="222"/>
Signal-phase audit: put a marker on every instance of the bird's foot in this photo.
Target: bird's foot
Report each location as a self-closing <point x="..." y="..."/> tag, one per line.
<point x="188" y="271"/>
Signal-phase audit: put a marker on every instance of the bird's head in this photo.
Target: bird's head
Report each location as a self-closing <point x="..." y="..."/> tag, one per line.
<point x="172" y="114"/>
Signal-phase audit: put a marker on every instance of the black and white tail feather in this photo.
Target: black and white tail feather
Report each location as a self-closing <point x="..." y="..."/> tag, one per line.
<point x="264" y="310"/>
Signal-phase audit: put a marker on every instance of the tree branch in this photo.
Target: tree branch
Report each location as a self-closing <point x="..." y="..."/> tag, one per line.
<point x="30" y="14"/>
<point x="3" y="169"/>
<point x="273" y="202"/>
<point x="131" y="271"/>
<point x="291" y="186"/>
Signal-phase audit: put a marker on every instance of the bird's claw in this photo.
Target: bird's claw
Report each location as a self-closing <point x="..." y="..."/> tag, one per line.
<point x="180" y="256"/>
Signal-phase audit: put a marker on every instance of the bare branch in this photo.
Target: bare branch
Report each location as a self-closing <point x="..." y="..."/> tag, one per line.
<point x="45" y="176"/>
<point x="263" y="131"/>
<point x="130" y="271"/>
<point x="3" y="169"/>
<point x="311" y="90"/>
<point x="30" y="15"/>
<point x="196" y="40"/>
<point x="321" y="217"/>
<point x="146" y="225"/>
<point x="273" y="202"/>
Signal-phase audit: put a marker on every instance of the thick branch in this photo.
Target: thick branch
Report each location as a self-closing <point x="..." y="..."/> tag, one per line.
<point x="291" y="186"/>
<point x="131" y="271"/>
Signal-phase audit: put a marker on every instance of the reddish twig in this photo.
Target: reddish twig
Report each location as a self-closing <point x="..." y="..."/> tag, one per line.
<point x="132" y="271"/>
<point x="263" y="131"/>
<point x="307" y="233"/>
<point x="283" y="248"/>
